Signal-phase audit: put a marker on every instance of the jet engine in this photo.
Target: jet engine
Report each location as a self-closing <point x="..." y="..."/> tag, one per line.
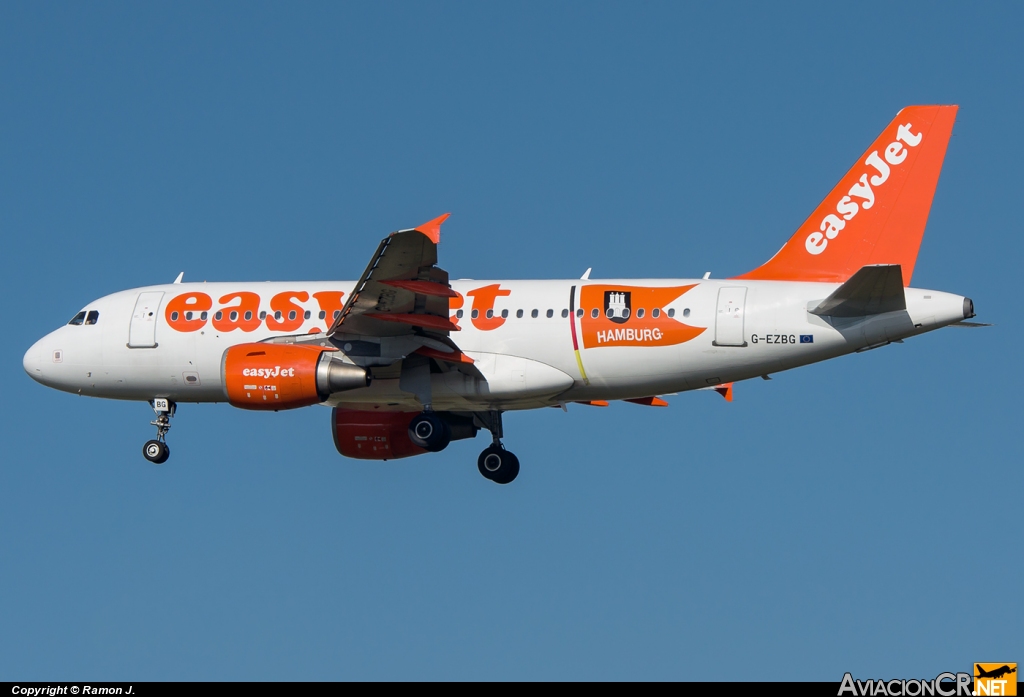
<point x="285" y="376"/>
<point x="384" y="435"/>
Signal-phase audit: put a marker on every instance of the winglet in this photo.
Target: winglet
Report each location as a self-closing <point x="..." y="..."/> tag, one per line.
<point x="725" y="389"/>
<point x="432" y="229"/>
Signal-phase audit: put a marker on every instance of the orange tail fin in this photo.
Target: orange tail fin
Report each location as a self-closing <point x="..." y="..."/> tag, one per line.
<point x="876" y="214"/>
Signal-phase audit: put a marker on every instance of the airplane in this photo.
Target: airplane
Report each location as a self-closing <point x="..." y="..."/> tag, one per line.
<point x="410" y="360"/>
<point x="995" y="673"/>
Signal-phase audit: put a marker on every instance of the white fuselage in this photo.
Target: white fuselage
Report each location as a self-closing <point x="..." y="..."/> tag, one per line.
<point x="741" y="329"/>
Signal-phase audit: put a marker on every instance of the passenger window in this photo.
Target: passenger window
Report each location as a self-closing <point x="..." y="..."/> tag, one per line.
<point x="490" y="313"/>
<point x="277" y="315"/>
<point x="551" y="313"/>
<point x="671" y="312"/>
<point x="263" y="315"/>
<point x="188" y="316"/>
<point x="248" y="315"/>
<point x="519" y="314"/>
<point x="640" y="313"/>
<point x="337" y="314"/>
<point x="533" y="314"/>
<point x="234" y="315"/>
<point x="594" y="313"/>
<point x="504" y="314"/>
<point x="322" y="315"/>
<point x="92" y="317"/>
<point x="174" y="318"/>
<point x="306" y="315"/>
<point x="459" y="313"/>
<point x="655" y="313"/>
<point x="565" y="313"/>
<point x="203" y="315"/>
<point x="80" y="318"/>
<point x="218" y="316"/>
<point x="475" y="313"/>
<point x="291" y="314"/>
<point x="579" y="311"/>
<point x="686" y="312"/>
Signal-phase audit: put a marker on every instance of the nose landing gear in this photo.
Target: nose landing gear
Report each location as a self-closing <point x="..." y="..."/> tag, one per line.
<point x="156" y="451"/>
<point x="496" y="463"/>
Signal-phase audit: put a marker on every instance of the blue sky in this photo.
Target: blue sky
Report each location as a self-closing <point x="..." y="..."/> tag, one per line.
<point x="854" y="515"/>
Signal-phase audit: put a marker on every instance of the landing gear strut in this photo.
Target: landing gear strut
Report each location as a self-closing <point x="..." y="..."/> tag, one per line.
<point x="156" y="451"/>
<point x="496" y="463"/>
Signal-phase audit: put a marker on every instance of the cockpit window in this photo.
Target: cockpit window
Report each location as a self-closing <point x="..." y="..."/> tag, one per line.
<point x="78" y="319"/>
<point x="93" y="317"/>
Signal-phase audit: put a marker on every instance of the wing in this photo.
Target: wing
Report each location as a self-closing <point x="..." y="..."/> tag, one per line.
<point x="402" y="292"/>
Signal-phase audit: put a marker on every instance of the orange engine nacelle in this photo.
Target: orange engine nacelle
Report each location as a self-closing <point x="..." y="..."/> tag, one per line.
<point x="285" y="376"/>
<point x="373" y="435"/>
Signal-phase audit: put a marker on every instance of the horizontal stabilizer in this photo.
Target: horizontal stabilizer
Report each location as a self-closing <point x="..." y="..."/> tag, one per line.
<point x="871" y="291"/>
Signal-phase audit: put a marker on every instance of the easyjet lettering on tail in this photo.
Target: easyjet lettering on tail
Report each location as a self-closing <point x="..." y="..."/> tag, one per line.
<point x="895" y="155"/>
<point x="406" y="371"/>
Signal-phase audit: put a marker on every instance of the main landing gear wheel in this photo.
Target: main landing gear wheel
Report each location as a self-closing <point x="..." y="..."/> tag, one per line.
<point x="156" y="452"/>
<point x="430" y="432"/>
<point x="498" y="465"/>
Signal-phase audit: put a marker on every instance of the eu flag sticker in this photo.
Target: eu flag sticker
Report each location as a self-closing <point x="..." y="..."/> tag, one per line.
<point x="807" y="338"/>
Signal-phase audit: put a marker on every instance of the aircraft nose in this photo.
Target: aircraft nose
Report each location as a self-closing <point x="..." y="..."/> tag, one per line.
<point x="33" y="361"/>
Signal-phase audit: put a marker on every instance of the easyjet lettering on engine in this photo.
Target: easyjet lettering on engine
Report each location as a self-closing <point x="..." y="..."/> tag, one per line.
<point x="269" y="372"/>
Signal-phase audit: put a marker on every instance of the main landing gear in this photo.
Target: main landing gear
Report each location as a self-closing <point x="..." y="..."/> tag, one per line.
<point x="430" y="432"/>
<point x="156" y="451"/>
<point x="433" y="433"/>
<point x="496" y="463"/>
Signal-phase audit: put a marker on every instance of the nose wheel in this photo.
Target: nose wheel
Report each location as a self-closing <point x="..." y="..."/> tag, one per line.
<point x="156" y="451"/>
<point x="495" y="463"/>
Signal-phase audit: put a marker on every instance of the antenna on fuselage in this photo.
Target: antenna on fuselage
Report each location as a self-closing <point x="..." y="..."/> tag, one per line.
<point x="180" y="276"/>
<point x="586" y="275"/>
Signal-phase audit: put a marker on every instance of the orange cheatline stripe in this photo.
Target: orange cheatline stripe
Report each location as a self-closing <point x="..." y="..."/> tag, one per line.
<point x="593" y="402"/>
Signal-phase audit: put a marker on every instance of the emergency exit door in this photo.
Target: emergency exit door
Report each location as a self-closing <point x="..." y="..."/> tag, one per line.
<point x="729" y="318"/>
<point x="142" y="333"/>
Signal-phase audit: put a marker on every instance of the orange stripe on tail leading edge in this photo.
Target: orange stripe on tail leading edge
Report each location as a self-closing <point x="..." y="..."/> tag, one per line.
<point x="877" y="213"/>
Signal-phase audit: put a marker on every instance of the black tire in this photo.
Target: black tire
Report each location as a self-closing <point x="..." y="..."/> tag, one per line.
<point x="498" y="465"/>
<point x="430" y="432"/>
<point x="156" y="452"/>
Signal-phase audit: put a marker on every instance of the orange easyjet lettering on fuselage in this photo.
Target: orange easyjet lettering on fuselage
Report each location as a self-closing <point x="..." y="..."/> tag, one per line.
<point x="455" y="304"/>
<point x="245" y="315"/>
<point x="632" y="316"/>
<point x="483" y="301"/>
<point x="190" y="312"/>
<point x="291" y="314"/>
<point x="330" y="304"/>
<point x="184" y="313"/>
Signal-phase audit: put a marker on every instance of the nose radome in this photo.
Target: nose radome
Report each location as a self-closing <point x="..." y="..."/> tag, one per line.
<point x="33" y="362"/>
